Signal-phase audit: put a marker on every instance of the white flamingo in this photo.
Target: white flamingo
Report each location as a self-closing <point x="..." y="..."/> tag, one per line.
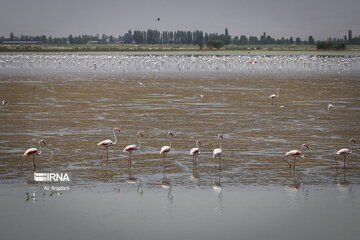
<point x="274" y="96"/>
<point x="132" y="148"/>
<point x="108" y="143"/>
<point x="295" y="154"/>
<point x="32" y="152"/>
<point x="195" y="151"/>
<point x="330" y="106"/>
<point x="218" y="151"/>
<point x="344" y="151"/>
<point x="165" y="149"/>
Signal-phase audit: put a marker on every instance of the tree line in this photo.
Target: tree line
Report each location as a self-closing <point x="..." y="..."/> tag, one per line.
<point x="151" y="36"/>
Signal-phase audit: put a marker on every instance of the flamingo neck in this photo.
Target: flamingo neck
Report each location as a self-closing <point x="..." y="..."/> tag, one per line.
<point x="197" y="144"/>
<point x="139" y="142"/>
<point x="39" y="152"/>
<point x="220" y="143"/>
<point x="115" y="137"/>
<point x="169" y="138"/>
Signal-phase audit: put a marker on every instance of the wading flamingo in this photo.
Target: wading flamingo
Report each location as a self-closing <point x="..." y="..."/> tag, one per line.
<point x="32" y="152"/>
<point x="218" y="151"/>
<point x="108" y="143"/>
<point x="295" y="154"/>
<point x="195" y="151"/>
<point x="344" y="151"/>
<point x="165" y="149"/>
<point x="132" y="148"/>
<point x="273" y="96"/>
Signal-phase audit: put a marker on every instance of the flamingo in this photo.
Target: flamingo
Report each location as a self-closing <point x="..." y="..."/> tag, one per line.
<point x="344" y="151"/>
<point x="330" y="106"/>
<point x="32" y="152"/>
<point x="132" y="148"/>
<point x="218" y="151"/>
<point x="195" y="151"/>
<point x="165" y="149"/>
<point x="273" y="96"/>
<point x="108" y="143"/>
<point x="295" y="154"/>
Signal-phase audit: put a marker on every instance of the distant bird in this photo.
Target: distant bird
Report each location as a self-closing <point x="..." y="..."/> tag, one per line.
<point x="218" y="151"/>
<point x="344" y="151"/>
<point x="158" y="19"/>
<point x="32" y="152"/>
<point x="29" y="196"/>
<point x="165" y="149"/>
<point x="330" y="106"/>
<point x="295" y="154"/>
<point x="274" y="96"/>
<point x="4" y="102"/>
<point x="202" y="96"/>
<point x="132" y="148"/>
<point x="195" y="151"/>
<point x="141" y="84"/>
<point x="108" y="143"/>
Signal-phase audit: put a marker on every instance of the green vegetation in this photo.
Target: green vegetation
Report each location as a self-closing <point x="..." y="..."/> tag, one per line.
<point x="215" y="44"/>
<point x="327" y="45"/>
<point x="154" y="40"/>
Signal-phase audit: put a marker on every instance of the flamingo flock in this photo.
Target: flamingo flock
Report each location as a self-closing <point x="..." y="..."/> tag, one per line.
<point x="177" y="63"/>
<point x="183" y="63"/>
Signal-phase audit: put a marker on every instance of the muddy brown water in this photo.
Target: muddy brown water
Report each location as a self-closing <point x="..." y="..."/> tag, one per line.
<point x="73" y="111"/>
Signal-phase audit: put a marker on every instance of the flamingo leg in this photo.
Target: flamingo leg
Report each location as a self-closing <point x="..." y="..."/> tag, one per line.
<point x="283" y="158"/>
<point x="344" y="160"/>
<point x="294" y="163"/>
<point x="219" y="162"/>
<point x="107" y="154"/>
<point x="34" y="163"/>
<point x="336" y="162"/>
<point x="129" y="161"/>
<point x="101" y="155"/>
<point x="195" y="163"/>
<point x="21" y="164"/>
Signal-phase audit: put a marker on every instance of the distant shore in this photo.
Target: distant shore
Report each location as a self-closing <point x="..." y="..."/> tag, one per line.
<point x="133" y="48"/>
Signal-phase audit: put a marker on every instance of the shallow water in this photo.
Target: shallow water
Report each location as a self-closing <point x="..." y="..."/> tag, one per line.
<point x="73" y="101"/>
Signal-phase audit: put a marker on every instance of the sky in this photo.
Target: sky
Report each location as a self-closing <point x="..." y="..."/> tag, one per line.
<point x="278" y="18"/>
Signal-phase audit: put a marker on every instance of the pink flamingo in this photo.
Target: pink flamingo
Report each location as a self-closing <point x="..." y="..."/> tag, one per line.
<point x="295" y="154"/>
<point x="108" y="143"/>
<point x="344" y="152"/>
<point x="195" y="151"/>
<point x="273" y="96"/>
<point x="165" y="149"/>
<point x="218" y="151"/>
<point x="132" y="148"/>
<point x="32" y="152"/>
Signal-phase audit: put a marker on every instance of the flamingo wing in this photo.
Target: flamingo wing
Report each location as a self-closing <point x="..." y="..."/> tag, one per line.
<point x="217" y="152"/>
<point x="130" y="148"/>
<point x="105" y="143"/>
<point x="194" y="151"/>
<point x="343" y="151"/>
<point x="30" y="151"/>
<point x="273" y="96"/>
<point x="293" y="153"/>
<point x="165" y="149"/>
